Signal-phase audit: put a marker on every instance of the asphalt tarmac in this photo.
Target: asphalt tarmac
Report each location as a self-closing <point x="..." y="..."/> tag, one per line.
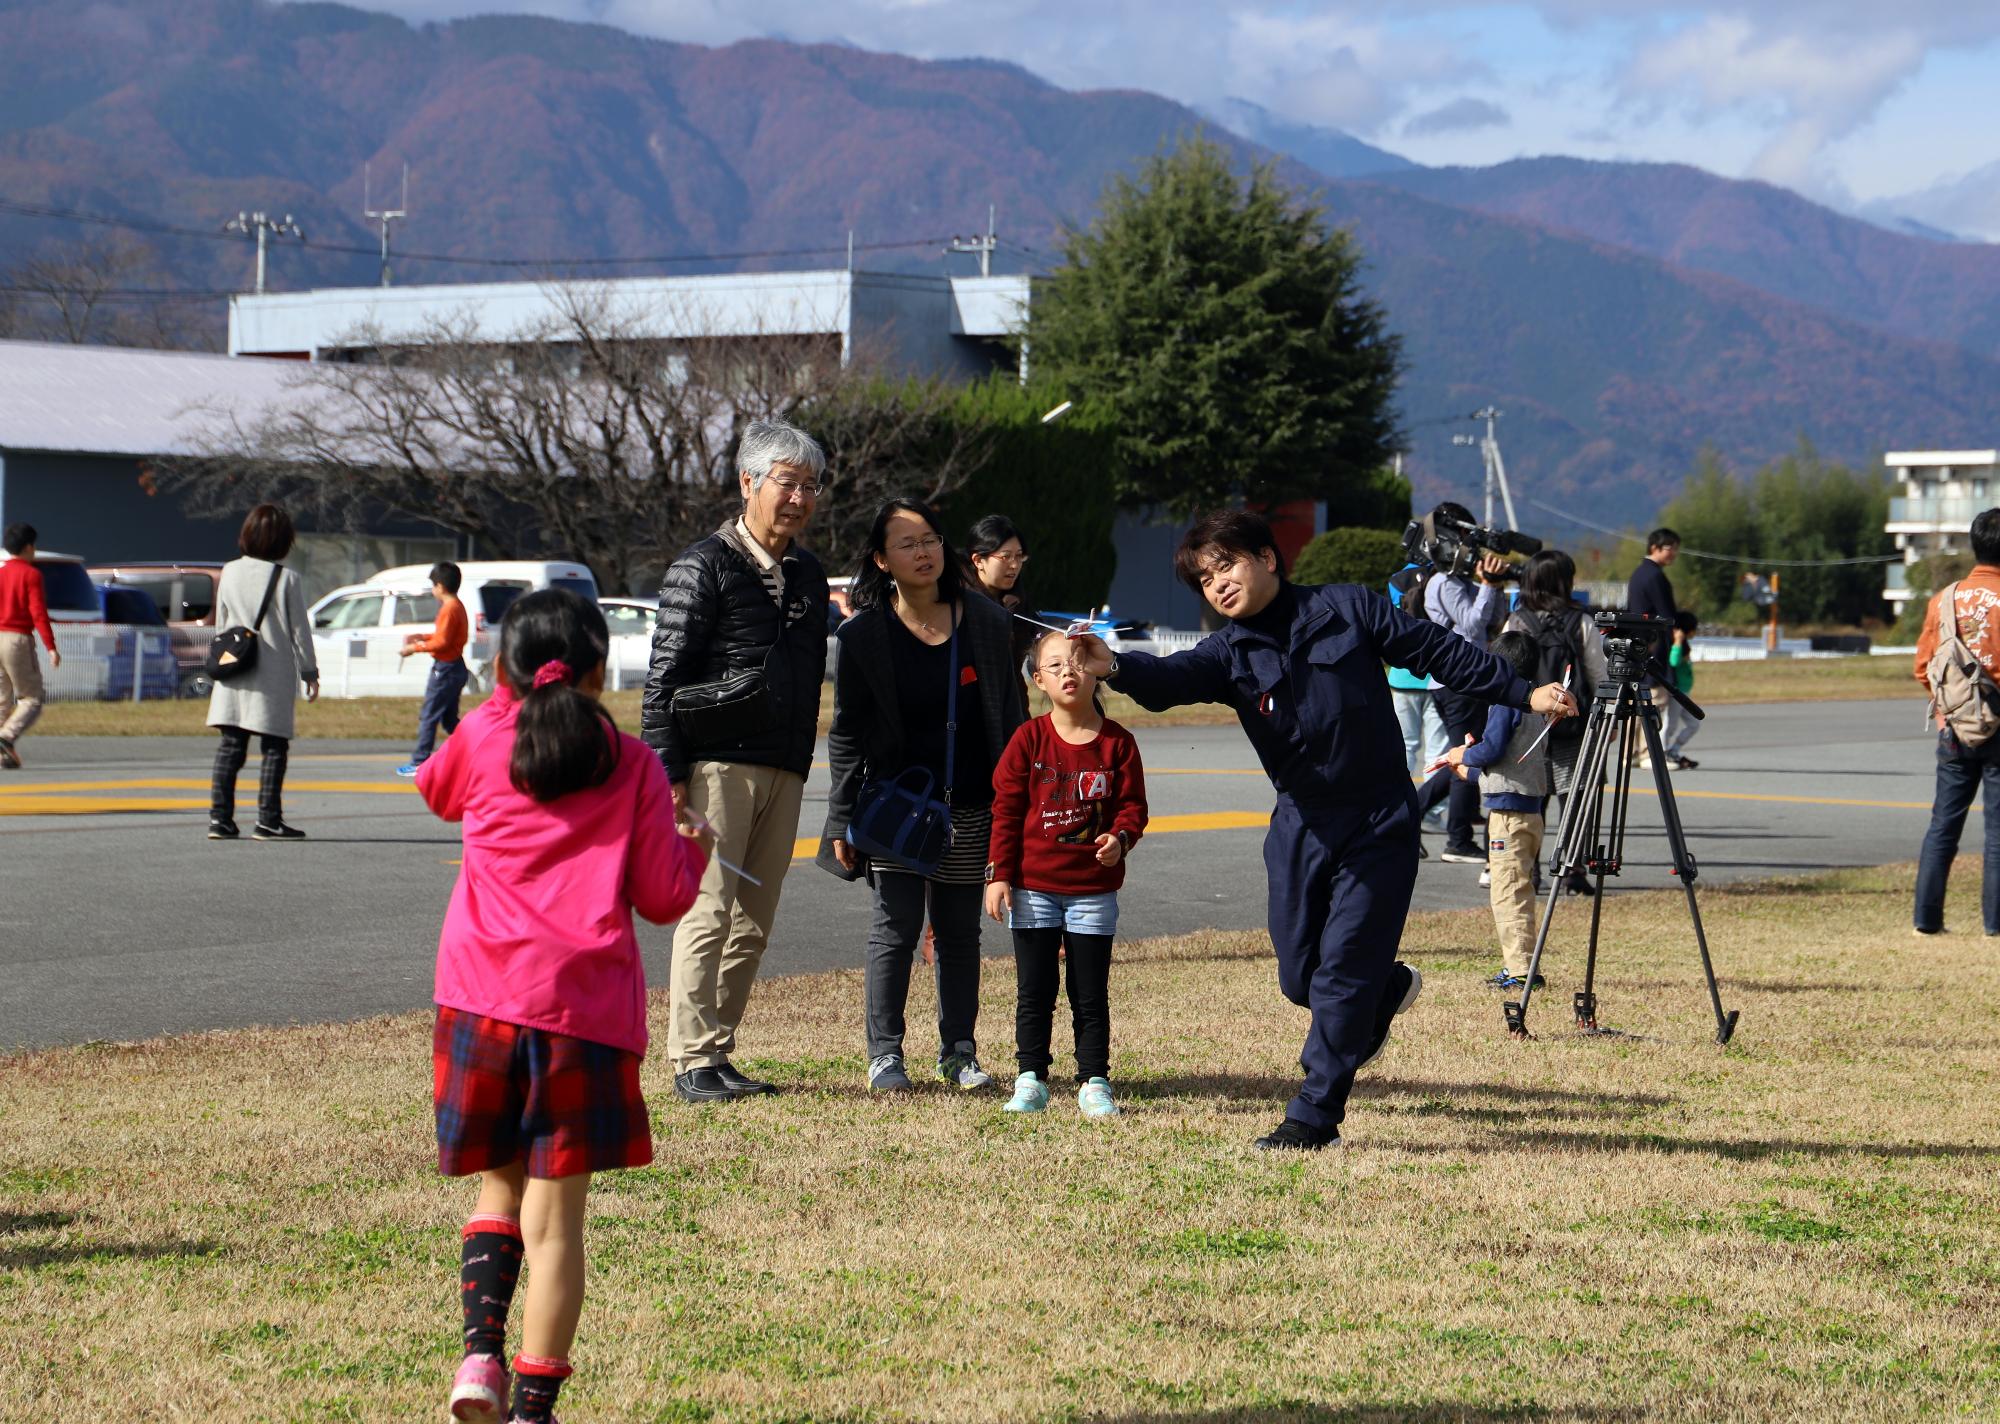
<point x="120" y="920"/>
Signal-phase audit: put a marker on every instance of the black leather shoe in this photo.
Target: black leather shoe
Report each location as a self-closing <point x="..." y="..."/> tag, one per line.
<point x="742" y="1086"/>
<point x="705" y="1085"/>
<point x="1291" y="1135"/>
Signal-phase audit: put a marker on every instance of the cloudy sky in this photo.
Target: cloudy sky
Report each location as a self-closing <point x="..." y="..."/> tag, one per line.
<point x="1848" y="101"/>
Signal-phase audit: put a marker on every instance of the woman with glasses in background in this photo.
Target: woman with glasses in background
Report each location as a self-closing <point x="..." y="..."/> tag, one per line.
<point x="996" y="555"/>
<point x="892" y="690"/>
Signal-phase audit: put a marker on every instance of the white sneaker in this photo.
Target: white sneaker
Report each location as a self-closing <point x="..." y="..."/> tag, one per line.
<point x="1031" y="1095"/>
<point x="961" y="1066"/>
<point x="1485" y="879"/>
<point x="1093" y="1099"/>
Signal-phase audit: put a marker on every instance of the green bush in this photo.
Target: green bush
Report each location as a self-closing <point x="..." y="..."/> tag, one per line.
<point x="1054" y="482"/>
<point x="1364" y="556"/>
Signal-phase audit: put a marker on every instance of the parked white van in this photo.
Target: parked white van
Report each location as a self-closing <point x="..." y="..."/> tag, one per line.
<point x="87" y="651"/>
<point x="360" y="629"/>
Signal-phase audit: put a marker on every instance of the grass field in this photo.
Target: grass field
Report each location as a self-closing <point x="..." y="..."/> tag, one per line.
<point x="395" y="718"/>
<point x="1802" y="1226"/>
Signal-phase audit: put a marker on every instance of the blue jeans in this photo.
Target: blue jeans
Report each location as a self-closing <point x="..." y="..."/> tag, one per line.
<point x="1423" y="731"/>
<point x="447" y="681"/>
<point x="1959" y="774"/>
<point x="1079" y="914"/>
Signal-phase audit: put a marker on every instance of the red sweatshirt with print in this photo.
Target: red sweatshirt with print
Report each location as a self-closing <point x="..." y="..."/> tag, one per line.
<point x="1051" y="801"/>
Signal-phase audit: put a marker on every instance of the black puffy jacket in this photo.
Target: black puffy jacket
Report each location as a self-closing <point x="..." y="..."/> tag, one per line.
<point x="718" y="618"/>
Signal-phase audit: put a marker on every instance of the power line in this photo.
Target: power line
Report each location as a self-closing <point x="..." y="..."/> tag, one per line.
<point x="35" y="210"/>
<point x="1564" y="514"/>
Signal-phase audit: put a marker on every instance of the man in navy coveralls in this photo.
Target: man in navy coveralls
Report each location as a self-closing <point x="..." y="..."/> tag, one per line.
<point x="1302" y="666"/>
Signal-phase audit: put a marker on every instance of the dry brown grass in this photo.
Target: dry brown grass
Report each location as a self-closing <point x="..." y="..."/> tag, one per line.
<point x="395" y="718"/>
<point x="1800" y="1227"/>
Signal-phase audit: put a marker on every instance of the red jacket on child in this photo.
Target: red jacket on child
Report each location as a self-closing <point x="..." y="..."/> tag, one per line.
<point x="1051" y="801"/>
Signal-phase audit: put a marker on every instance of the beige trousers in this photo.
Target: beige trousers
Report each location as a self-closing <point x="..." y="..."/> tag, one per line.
<point x="20" y="684"/>
<point x="1513" y="845"/>
<point x="720" y="941"/>
<point x="1636" y="750"/>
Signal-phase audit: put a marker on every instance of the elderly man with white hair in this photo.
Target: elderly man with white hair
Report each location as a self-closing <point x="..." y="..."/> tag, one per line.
<point x="732" y="709"/>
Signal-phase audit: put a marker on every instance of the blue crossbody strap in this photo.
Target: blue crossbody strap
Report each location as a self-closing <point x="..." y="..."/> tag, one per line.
<point x="951" y="708"/>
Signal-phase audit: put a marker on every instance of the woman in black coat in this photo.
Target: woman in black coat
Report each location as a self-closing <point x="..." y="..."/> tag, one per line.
<point x="892" y="686"/>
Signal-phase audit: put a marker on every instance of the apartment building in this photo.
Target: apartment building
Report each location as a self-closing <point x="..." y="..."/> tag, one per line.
<point x="1940" y="492"/>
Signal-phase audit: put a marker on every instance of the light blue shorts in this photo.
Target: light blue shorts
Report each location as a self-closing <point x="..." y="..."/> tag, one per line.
<point x="1079" y="914"/>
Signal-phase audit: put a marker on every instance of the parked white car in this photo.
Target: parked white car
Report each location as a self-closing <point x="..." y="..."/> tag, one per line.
<point x="87" y="651"/>
<point x="360" y="629"/>
<point x="631" y="623"/>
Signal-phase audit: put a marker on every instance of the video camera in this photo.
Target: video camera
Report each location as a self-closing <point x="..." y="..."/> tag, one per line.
<point x="1631" y="642"/>
<point x="1450" y="540"/>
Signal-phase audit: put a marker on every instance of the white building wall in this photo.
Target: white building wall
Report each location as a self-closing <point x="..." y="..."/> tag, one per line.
<point x="1940" y="492"/>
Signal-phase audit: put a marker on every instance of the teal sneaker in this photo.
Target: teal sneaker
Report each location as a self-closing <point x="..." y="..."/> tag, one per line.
<point x="961" y="1069"/>
<point x="1031" y="1095"/>
<point x="1093" y="1099"/>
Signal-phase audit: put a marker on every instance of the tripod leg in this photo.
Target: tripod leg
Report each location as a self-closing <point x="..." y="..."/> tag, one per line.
<point x="1610" y="852"/>
<point x="1576" y="832"/>
<point x="1684" y="868"/>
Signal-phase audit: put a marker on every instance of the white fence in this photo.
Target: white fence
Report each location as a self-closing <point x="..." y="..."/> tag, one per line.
<point x="110" y="661"/>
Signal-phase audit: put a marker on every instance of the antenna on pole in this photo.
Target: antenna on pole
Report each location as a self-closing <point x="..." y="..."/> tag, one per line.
<point x="264" y="226"/>
<point x="385" y="216"/>
<point x="983" y="245"/>
<point x="1496" y="468"/>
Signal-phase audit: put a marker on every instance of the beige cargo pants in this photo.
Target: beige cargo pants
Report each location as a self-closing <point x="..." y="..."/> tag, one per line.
<point x="20" y="684"/>
<point x="1513" y="845"/>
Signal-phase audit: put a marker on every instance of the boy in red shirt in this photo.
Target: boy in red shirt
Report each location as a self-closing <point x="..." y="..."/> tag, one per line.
<point x="446" y="645"/>
<point x="1069" y="803"/>
<point x="24" y="612"/>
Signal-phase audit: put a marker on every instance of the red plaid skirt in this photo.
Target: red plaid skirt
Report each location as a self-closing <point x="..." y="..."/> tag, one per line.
<point x="504" y="1093"/>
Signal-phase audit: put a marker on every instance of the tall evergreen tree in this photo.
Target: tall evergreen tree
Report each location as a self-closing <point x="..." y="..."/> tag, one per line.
<point x="1216" y="321"/>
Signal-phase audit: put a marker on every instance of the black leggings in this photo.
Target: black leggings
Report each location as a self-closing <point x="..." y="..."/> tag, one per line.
<point x="229" y="758"/>
<point x="1036" y="969"/>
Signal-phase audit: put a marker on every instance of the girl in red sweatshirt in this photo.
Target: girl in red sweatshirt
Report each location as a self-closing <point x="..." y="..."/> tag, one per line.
<point x="1069" y="803"/>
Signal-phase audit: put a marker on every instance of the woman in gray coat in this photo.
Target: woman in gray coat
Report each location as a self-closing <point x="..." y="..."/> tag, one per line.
<point x="260" y="700"/>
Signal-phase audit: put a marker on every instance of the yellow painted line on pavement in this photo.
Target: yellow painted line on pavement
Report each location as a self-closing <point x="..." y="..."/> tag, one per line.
<point x="1684" y="795"/>
<point x="189" y="783"/>
<point x="807" y="848"/>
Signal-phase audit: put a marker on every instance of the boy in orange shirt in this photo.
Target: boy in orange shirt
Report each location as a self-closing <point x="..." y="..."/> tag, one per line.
<point x="446" y="645"/>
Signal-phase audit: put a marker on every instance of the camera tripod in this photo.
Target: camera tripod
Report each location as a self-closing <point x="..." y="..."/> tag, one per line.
<point x="1620" y="714"/>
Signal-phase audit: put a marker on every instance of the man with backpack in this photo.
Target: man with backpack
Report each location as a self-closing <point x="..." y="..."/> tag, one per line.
<point x="1958" y="658"/>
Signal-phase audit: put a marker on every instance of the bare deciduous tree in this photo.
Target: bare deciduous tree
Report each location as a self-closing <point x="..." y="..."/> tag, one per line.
<point x="582" y="437"/>
<point x="68" y="283"/>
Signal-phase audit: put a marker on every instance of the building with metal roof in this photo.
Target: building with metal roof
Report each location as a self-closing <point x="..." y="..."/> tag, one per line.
<point x="957" y="327"/>
<point x="80" y="428"/>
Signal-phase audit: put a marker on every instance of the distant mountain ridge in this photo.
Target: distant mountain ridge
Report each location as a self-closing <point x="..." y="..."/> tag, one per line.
<point x="1622" y="315"/>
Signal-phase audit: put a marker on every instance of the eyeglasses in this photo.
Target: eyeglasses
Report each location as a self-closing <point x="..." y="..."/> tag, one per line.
<point x="1057" y="669"/>
<point x="787" y="487"/>
<point x="1007" y="558"/>
<point x="929" y="543"/>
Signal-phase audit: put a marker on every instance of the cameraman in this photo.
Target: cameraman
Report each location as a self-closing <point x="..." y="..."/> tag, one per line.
<point x="1473" y="610"/>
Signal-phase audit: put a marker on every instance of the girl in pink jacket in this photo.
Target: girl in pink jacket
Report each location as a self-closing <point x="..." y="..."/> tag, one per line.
<point x="541" y="1024"/>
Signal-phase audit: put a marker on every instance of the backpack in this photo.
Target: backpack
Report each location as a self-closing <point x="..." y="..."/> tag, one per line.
<point x="1559" y="649"/>
<point x="1410" y="584"/>
<point x="1961" y="691"/>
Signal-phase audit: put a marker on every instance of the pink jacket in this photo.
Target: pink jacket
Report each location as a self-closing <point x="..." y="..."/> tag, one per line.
<point x="539" y="932"/>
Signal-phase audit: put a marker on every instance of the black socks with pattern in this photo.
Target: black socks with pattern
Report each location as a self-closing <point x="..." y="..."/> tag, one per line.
<point x="489" y="1265"/>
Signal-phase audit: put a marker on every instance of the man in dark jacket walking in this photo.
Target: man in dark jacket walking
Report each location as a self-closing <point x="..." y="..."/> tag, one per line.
<point x="732" y="708"/>
<point x="1302" y="667"/>
<point x="1650" y="592"/>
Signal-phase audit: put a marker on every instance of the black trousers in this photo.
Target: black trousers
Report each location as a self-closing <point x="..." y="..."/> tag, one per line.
<point x="1461" y="715"/>
<point x="1037" y="966"/>
<point x="230" y="755"/>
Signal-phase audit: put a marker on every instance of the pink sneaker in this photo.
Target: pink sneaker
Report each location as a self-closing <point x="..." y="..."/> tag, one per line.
<point x="479" y="1392"/>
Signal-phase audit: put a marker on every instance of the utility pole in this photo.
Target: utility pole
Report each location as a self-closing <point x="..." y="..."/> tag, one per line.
<point x="385" y="216"/>
<point x="984" y="246"/>
<point x="1496" y="468"/>
<point x="264" y="226"/>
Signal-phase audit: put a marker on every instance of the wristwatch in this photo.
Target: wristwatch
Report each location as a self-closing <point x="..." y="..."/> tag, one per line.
<point x="1113" y="672"/>
<point x="991" y="867"/>
<point x="1124" y="842"/>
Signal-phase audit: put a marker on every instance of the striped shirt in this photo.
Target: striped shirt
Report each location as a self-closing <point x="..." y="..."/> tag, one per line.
<point x="768" y="568"/>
